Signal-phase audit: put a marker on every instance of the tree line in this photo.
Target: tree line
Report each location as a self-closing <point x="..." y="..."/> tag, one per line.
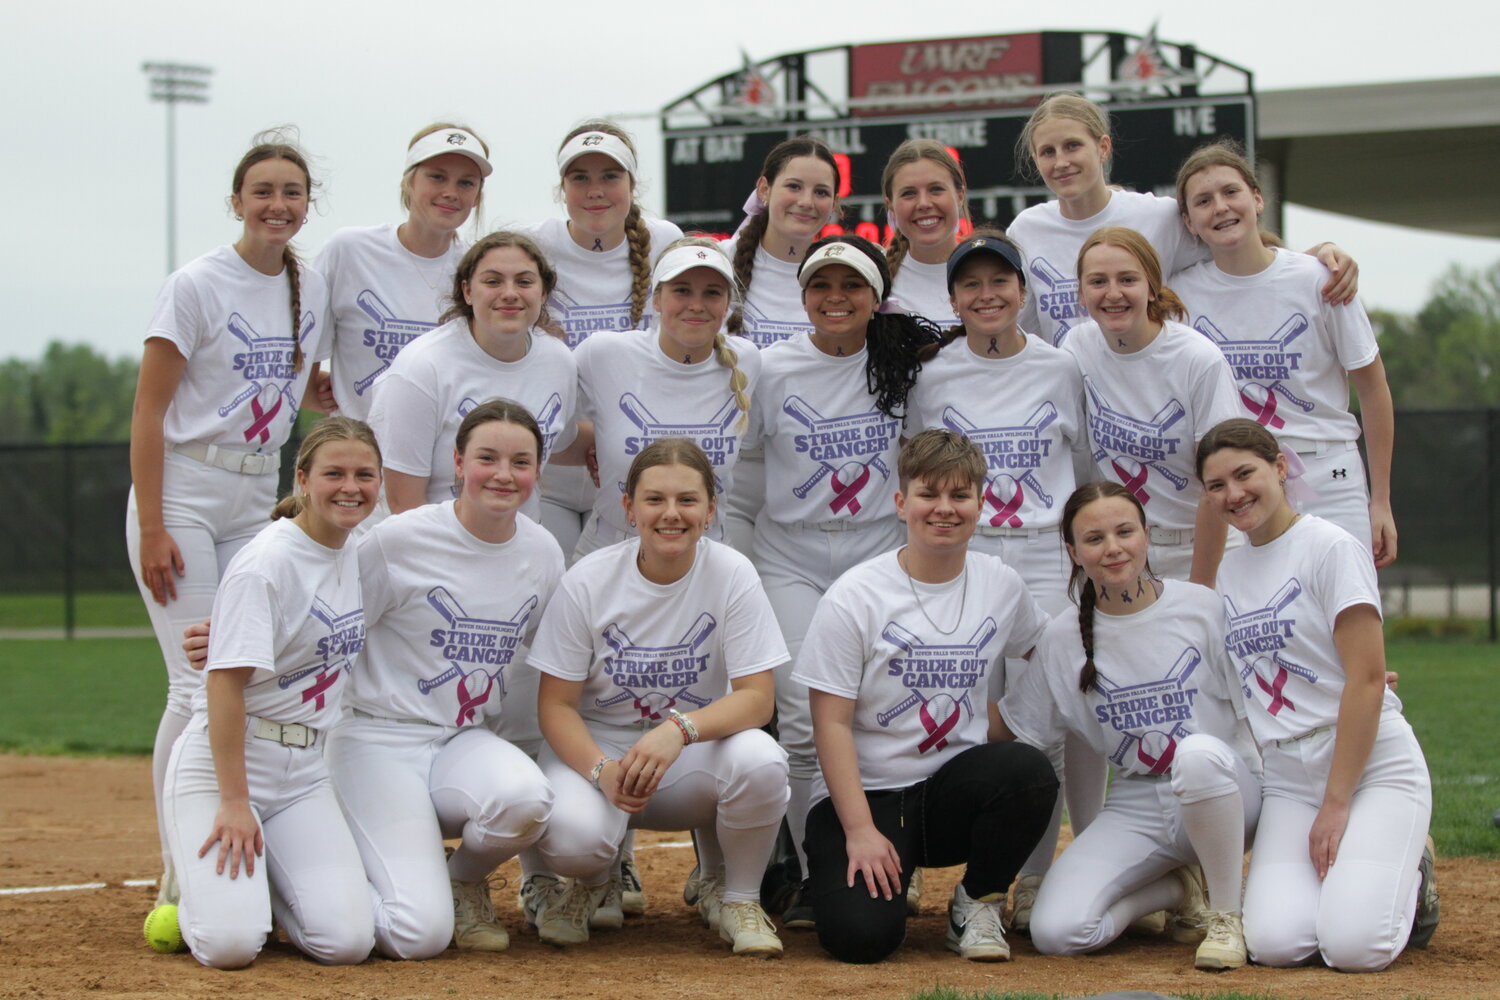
<point x="1446" y="356"/>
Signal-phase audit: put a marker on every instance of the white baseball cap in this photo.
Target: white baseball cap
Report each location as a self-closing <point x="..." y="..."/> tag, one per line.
<point x="850" y="256"/>
<point x="611" y="146"/>
<point x="448" y="140"/>
<point x="680" y="260"/>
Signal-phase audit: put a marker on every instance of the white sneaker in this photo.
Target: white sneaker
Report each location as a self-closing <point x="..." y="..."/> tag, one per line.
<point x="711" y="901"/>
<point x="1023" y="900"/>
<point x="974" y="927"/>
<point x="535" y="888"/>
<point x="693" y="887"/>
<point x="167" y="892"/>
<point x="1223" y="944"/>
<point x="914" y="893"/>
<point x="474" y="925"/>
<point x="632" y="894"/>
<point x="561" y="912"/>
<point x="609" y="914"/>
<point x="745" y="926"/>
<point x="1189" y="922"/>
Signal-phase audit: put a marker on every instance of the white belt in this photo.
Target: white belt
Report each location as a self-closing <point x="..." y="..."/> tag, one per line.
<point x="1292" y="741"/>
<point x="1171" y="536"/>
<point x="1001" y="531"/>
<point x="288" y="735"/>
<point x="1305" y="446"/>
<point x="836" y="524"/>
<point x="246" y="463"/>
<point x="385" y="718"/>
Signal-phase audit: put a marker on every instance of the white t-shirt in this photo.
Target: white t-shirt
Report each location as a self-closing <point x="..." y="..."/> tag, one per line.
<point x="1024" y="412"/>
<point x="450" y="616"/>
<point x="291" y="609"/>
<point x="919" y="695"/>
<point x="593" y="288"/>
<point x="641" y="648"/>
<point x="773" y="305"/>
<point x="1051" y="244"/>
<point x="1147" y="410"/>
<point x="381" y="298"/>
<point x="922" y="290"/>
<point x="1162" y="674"/>
<point x="830" y="454"/>
<point x="635" y="394"/>
<point x="1282" y="599"/>
<point x="234" y="327"/>
<point x="439" y="378"/>
<point x="1287" y="348"/>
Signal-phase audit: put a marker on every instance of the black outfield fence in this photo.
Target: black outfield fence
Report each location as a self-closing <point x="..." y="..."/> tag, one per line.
<point x="65" y="534"/>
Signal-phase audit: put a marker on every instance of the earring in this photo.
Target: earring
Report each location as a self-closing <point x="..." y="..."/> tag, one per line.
<point x="632" y="524"/>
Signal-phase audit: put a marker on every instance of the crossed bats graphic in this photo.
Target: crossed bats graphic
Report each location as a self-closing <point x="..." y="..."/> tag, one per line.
<point x="385" y="322"/>
<point x="1283" y="597"/>
<point x="1186" y="663"/>
<point x="1039" y="420"/>
<point x="654" y="704"/>
<point x="1264" y="409"/>
<point x="1164" y="418"/>
<point x="937" y="729"/>
<point x="809" y="417"/>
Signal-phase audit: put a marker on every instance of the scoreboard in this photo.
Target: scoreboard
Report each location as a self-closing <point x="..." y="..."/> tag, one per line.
<point x="712" y="164"/>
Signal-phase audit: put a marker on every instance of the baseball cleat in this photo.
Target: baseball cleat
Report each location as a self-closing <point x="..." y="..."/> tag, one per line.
<point x="710" y="901"/>
<point x="1424" y="924"/>
<point x="1188" y="923"/>
<point x="1223" y="944"/>
<point x="1023" y="899"/>
<point x="974" y="926"/>
<point x="632" y="894"/>
<point x="474" y="925"/>
<point x="609" y="913"/>
<point x="746" y="927"/>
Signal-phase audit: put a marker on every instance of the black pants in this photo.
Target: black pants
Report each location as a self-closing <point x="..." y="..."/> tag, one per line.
<point x="986" y="808"/>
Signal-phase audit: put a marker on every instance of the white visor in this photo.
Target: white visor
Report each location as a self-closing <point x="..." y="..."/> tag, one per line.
<point x="449" y="140"/>
<point x="680" y="260"/>
<point x="848" y="255"/>
<point x="611" y="146"/>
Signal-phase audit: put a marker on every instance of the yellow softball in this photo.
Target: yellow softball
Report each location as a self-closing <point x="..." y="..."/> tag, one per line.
<point x="161" y="930"/>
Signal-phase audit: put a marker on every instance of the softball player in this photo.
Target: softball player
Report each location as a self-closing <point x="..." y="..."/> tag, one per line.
<point x="1293" y="355"/>
<point x="640" y="631"/>
<point x="829" y="410"/>
<point x="1153" y="387"/>
<point x="247" y="771"/>
<point x="1159" y="698"/>
<point x="388" y="284"/>
<point x="488" y="346"/>
<point x="603" y="253"/>
<point x="899" y="659"/>
<point x="1028" y="434"/>
<point x="1338" y="869"/>
<point x="681" y="379"/>
<point x="224" y="371"/>
<point x="926" y="205"/>
<point x="453" y="595"/>
<point x="1067" y="142"/>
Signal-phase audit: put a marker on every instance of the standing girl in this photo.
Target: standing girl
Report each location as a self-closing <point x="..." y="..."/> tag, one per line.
<point x="1067" y="141"/>
<point x="224" y="372"/>
<point x="680" y="380"/>
<point x="1153" y="388"/>
<point x="640" y="631"/>
<point x="829" y="411"/>
<point x="1142" y="675"/>
<point x="925" y="202"/>
<point x="603" y="253"/>
<point x="388" y="284"/>
<point x="1347" y="796"/>
<point x="453" y="595"/>
<point x="248" y="770"/>
<point x="488" y="346"/>
<point x="1020" y="400"/>
<point x="900" y="665"/>
<point x="1293" y="355"/>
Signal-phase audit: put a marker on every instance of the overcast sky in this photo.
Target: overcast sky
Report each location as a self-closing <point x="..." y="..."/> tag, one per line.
<point x="84" y="147"/>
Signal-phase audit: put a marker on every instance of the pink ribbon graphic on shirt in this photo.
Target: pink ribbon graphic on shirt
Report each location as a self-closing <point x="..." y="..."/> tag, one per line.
<point x="1262" y="412"/>
<point x="937" y="729"/>
<point x="1159" y="762"/>
<point x="1005" y="510"/>
<point x="847" y="494"/>
<point x="262" y="417"/>
<point x="1278" y="700"/>
<point x="318" y="688"/>
<point x="469" y="699"/>
<point x="1134" y="483"/>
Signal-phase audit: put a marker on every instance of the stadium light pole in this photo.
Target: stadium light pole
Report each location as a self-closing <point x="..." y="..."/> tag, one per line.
<point x="172" y="84"/>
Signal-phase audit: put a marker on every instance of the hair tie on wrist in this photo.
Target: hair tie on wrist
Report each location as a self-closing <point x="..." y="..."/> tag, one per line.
<point x="685" y="726"/>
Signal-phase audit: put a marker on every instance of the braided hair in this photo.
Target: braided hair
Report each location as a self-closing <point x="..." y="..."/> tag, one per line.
<point x="892" y="340"/>
<point x="1080" y="588"/>
<point x="728" y="357"/>
<point x="636" y="233"/>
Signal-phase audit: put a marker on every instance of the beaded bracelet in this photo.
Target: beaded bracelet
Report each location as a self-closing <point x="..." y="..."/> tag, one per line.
<point x="685" y="725"/>
<point x="598" y="771"/>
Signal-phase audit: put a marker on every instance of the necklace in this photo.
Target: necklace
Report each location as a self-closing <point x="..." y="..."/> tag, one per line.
<point x="963" y="599"/>
<point x="412" y="257"/>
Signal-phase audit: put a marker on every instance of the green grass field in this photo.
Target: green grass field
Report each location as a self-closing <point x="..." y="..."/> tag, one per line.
<point x="116" y="609"/>
<point x="104" y="696"/>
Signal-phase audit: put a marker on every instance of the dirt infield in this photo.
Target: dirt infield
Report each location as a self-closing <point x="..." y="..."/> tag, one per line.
<point x="67" y="821"/>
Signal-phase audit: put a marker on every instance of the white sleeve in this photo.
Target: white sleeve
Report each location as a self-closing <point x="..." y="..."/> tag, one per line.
<point x="245" y="626"/>
<point x="405" y="419"/>
<point x="177" y="316"/>
<point x="564" y="646"/>
<point x="583" y="356"/>
<point x="832" y="657"/>
<point x="1213" y="394"/>
<point x="753" y="642"/>
<point x="374" y="578"/>
<point x="1350" y="333"/>
<point x="1345" y="577"/>
<point x="1029" y="710"/>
